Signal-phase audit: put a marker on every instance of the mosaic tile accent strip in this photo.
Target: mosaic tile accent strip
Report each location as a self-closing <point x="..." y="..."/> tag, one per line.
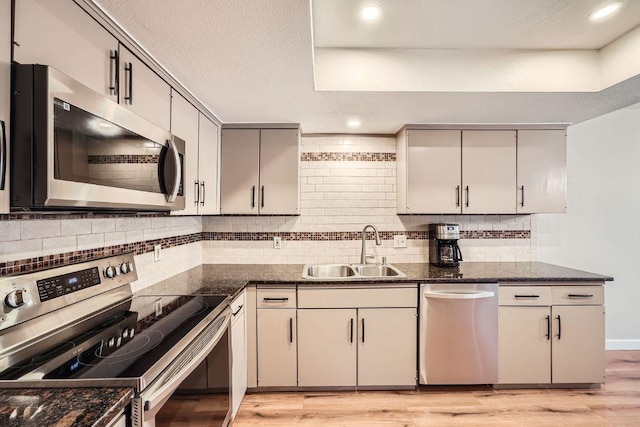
<point x="123" y="158"/>
<point x="45" y="262"/>
<point x="29" y="265"/>
<point x="348" y="157"/>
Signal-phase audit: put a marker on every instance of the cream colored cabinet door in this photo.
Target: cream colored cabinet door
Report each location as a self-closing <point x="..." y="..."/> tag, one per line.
<point x="279" y="172"/>
<point x="524" y="342"/>
<point x="5" y="88"/>
<point x="62" y="35"/>
<point x="276" y="331"/>
<point x="209" y="148"/>
<point x="488" y="172"/>
<point x="238" y="352"/>
<point x="578" y="354"/>
<point x="143" y="91"/>
<point x="327" y="347"/>
<point x="239" y="171"/>
<point x="184" y="124"/>
<point x="542" y="171"/>
<point x="387" y="347"/>
<point x="433" y="171"/>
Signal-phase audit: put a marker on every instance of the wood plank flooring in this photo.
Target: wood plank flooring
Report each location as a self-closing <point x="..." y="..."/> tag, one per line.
<point x="617" y="403"/>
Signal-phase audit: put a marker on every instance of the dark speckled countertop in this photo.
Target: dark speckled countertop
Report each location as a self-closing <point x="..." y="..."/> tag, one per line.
<point x="67" y="407"/>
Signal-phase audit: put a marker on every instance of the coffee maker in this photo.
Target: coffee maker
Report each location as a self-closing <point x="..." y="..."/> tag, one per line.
<point x="443" y="245"/>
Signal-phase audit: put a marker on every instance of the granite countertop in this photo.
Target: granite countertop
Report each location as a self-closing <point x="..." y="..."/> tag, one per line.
<point x="230" y="279"/>
<point x="62" y="407"/>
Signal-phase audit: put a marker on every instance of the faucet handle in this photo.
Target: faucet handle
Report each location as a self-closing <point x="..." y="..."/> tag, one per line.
<point x="384" y="260"/>
<point x="368" y="256"/>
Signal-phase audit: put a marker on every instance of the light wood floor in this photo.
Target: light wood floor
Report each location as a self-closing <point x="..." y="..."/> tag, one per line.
<point x="617" y="403"/>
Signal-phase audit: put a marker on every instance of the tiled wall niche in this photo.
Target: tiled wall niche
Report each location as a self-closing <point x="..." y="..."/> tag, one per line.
<point x="346" y="183"/>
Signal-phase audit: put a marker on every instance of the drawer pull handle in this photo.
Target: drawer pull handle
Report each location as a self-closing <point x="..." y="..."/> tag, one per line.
<point x="283" y="299"/>
<point x="363" y="330"/>
<point x="351" y="332"/>
<point x="526" y="296"/>
<point x="291" y="329"/>
<point x="580" y="296"/>
<point x="237" y="311"/>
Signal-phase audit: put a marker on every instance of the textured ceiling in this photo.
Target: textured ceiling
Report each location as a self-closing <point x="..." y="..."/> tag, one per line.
<point x="252" y="61"/>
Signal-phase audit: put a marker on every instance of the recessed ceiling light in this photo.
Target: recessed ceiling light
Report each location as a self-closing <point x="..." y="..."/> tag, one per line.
<point x="605" y="11"/>
<point x="353" y="123"/>
<point x="371" y="12"/>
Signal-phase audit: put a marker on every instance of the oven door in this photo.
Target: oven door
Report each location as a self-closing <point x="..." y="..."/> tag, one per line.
<point x="213" y="339"/>
<point x="83" y="150"/>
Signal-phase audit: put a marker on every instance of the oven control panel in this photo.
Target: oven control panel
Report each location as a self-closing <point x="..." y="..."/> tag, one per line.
<point x="54" y="287"/>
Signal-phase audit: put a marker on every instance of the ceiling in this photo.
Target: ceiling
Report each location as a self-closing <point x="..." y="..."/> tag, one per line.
<point x="425" y="61"/>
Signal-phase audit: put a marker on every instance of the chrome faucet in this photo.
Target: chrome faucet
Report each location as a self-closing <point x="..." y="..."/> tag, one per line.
<point x="364" y="255"/>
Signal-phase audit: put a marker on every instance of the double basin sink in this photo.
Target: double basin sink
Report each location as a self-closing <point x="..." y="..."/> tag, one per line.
<point x="350" y="271"/>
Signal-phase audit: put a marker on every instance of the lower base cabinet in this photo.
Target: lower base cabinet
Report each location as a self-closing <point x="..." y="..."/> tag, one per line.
<point x="238" y="353"/>
<point x="551" y="334"/>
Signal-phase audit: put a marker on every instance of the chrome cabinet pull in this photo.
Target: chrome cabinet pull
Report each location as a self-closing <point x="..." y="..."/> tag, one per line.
<point x="522" y="201"/>
<point x="363" y="330"/>
<point x="197" y="192"/>
<point x="237" y="311"/>
<point x="548" y="335"/>
<point x="204" y="193"/>
<point x="253" y="197"/>
<point x="128" y="97"/>
<point x="115" y="72"/>
<point x="458" y="196"/>
<point x="580" y="296"/>
<point x="282" y="299"/>
<point x="466" y="189"/>
<point x="291" y="329"/>
<point x="351" y="332"/>
<point x="526" y="296"/>
<point x="559" y="327"/>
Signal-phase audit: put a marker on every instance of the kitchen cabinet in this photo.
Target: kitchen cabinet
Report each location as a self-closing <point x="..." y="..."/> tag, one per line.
<point x="260" y="171"/>
<point x="238" y="352"/>
<point x="62" y="35"/>
<point x="276" y="330"/>
<point x="551" y="334"/>
<point x="143" y="91"/>
<point x="201" y="157"/>
<point x="5" y="89"/>
<point x="363" y="336"/>
<point x="542" y="171"/>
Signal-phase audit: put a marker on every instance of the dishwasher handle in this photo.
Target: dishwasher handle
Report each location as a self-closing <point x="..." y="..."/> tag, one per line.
<point x="459" y="295"/>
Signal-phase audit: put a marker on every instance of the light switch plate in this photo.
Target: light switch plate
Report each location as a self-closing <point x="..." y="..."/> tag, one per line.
<point x="157" y="253"/>
<point x="400" y="241"/>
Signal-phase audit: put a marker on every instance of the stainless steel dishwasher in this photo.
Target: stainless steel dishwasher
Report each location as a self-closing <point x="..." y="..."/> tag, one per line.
<point x="458" y="333"/>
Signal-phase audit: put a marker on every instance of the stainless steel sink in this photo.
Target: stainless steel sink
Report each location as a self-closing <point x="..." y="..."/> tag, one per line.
<point x="346" y="272"/>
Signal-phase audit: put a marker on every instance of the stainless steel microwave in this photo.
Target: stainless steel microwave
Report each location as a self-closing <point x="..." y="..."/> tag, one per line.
<point x="72" y="148"/>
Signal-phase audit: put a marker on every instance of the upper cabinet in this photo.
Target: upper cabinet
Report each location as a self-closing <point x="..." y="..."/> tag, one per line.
<point x="477" y="171"/>
<point x="5" y="77"/>
<point x="260" y="171"/>
<point x="542" y="171"/>
<point x="62" y="35"/>
<point x="201" y="157"/>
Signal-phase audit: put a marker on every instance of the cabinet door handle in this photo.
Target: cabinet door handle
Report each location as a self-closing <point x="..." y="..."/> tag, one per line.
<point x="197" y="192"/>
<point x="351" y="331"/>
<point x="128" y="97"/>
<point x="291" y="329"/>
<point x="115" y="72"/>
<point x="559" y="327"/>
<point x="466" y="189"/>
<point x="204" y="193"/>
<point x="526" y="296"/>
<point x="253" y="197"/>
<point x="262" y="197"/>
<point x="522" y="201"/>
<point x="458" y="196"/>
<point x="548" y="335"/>
<point x="580" y="296"/>
<point x="237" y="311"/>
<point x="282" y="299"/>
<point x="363" y="330"/>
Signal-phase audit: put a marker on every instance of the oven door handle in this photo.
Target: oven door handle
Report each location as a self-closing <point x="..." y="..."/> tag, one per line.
<point x="155" y="396"/>
<point x="459" y="295"/>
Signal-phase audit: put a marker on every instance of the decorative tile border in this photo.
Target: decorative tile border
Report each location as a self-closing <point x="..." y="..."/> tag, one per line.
<point x="348" y="157"/>
<point x="122" y="158"/>
<point x="57" y="260"/>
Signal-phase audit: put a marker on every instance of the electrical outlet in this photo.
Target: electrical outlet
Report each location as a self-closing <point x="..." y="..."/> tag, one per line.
<point x="400" y="241"/>
<point x="277" y="242"/>
<point x="157" y="253"/>
<point x="158" y="307"/>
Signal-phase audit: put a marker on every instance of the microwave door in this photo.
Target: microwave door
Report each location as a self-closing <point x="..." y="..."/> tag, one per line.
<point x="170" y="169"/>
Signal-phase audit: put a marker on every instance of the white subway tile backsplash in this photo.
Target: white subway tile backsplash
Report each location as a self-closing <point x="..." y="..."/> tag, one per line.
<point x="75" y="227"/>
<point x="39" y="229"/>
<point x="103" y="225"/>
<point x="9" y="230"/>
<point x="90" y="241"/>
<point x="57" y="245"/>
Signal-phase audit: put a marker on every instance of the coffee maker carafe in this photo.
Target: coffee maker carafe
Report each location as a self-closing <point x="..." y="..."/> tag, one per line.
<point x="443" y="245"/>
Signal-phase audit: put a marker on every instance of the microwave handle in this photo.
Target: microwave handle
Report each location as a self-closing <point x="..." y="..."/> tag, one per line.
<point x="178" y="172"/>
<point x="3" y="155"/>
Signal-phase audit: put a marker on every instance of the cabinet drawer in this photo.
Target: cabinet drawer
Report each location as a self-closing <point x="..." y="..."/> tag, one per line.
<point x="578" y="295"/>
<point x="276" y="298"/>
<point x="357" y="297"/>
<point x="525" y="295"/>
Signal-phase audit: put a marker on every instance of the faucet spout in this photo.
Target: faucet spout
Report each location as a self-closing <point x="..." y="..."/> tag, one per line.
<point x="364" y="255"/>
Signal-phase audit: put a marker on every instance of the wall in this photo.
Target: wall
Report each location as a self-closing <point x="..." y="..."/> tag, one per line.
<point x="600" y="230"/>
<point x="346" y="183"/>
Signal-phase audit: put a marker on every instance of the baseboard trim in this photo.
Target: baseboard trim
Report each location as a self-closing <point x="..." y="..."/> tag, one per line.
<point x="622" y="344"/>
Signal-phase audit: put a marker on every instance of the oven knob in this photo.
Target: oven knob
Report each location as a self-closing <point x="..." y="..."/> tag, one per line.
<point x="17" y="298"/>
<point x="110" y="272"/>
<point x="132" y="332"/>
<point x="124" y="268"/>
<point x="130" y="264"/>
<point x="118" y="341"/>
<point x="125" y="333"/>
<point x="111" y="342"/>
